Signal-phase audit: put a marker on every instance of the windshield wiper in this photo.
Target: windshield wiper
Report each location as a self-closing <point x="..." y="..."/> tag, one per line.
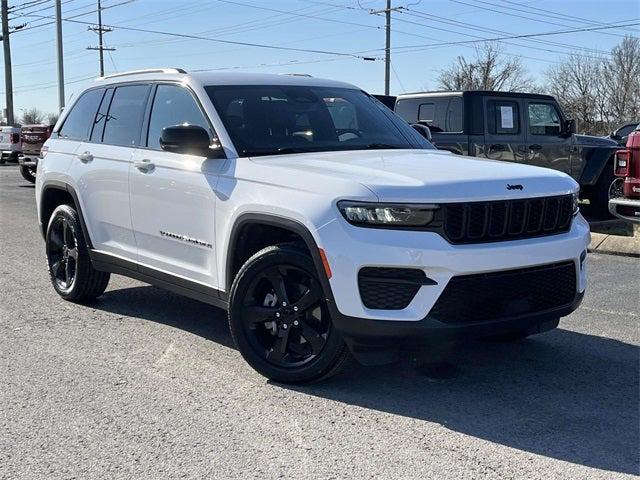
<point x="273" y="151"/>
<point x="379" y="146"/>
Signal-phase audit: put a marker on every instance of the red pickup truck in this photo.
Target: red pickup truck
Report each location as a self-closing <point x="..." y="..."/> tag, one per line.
<point x="33" y="137"/>
<point x="627" y="169"/>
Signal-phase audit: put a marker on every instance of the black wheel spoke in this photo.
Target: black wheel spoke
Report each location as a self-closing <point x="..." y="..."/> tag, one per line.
<point x="309" y="299"/>
<point x="279" y="348"/>
<point x="257" y="314"/>
<point x="276" y="279"/>
<point x="67" y="237"/>
<point x="55" y="268"/>
<point x="56" y="240"/>
<point x="316" y="340"/>
<point x="68" y="274"/>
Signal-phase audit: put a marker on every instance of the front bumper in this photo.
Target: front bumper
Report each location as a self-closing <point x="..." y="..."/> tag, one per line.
<point x="625" y="208"/>
<point x="350" y="248"/>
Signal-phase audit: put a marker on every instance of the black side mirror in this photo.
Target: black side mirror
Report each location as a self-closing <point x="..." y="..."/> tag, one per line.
<point x="422" y="130"/>
<point x="569" y="127"/>
<point x="185" y="138"/>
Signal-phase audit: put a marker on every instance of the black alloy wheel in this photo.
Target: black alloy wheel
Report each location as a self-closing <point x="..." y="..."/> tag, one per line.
<point x="279" y="318"/>
<point x="62" y="253"/>
<point x="283" y="316"/>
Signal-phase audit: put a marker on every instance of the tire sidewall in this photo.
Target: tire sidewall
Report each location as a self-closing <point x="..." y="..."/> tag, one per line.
<point x="334" y="347"/>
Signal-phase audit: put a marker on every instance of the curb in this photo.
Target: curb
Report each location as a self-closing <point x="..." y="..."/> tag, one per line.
<point x="615" y="245"/>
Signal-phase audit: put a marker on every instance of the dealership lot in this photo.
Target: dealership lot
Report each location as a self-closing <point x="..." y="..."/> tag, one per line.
<point x="147" y="384"/>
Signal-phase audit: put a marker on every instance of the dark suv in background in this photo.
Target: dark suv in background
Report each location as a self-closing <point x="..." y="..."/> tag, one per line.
<point x="516" y="127"/>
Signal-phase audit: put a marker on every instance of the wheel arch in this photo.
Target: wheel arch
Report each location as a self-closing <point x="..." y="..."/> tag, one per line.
<point x="596" y="160"/>
<point x="55" y="193"/>
<point x="269" y="220"/>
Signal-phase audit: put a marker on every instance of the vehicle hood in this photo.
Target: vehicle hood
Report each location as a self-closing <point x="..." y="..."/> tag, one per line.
<point x="591" y="141"/>
<point x="425" y="175"/>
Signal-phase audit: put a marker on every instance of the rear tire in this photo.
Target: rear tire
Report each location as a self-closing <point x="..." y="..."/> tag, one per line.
<point x="279" y="319"/>
<point x="72" y="274"/>
<point x="28" y="173"/>
<point x="598" y="209"/>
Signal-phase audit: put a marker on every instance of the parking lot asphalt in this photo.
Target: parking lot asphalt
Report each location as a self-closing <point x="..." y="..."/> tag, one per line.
<point x="143" y="383"/>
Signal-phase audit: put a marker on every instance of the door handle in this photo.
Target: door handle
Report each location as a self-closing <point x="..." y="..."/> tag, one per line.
<point x="85" y="157"/>
<point x="535" y="146"/>
<point x="144" y="165"/>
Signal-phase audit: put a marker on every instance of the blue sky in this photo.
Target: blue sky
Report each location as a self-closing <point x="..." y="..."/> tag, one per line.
<point x="339" y="26"/>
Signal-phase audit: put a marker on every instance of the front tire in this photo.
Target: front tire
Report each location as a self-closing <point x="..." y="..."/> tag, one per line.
<point x="279" y="319"/>
<point x="28" y="173"/>
<point x="72" y="274"/>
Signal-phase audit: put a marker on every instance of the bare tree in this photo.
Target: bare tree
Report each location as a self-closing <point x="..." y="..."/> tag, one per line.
<point x="622" y="77"/>
<point x="490" y="69"/>
<point x="577" y="84"/>
<point x="52" y="118"/>
<point x="31" y="116"/>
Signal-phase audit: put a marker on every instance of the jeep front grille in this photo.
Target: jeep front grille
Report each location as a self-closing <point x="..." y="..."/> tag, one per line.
<point x="496" y="221"/>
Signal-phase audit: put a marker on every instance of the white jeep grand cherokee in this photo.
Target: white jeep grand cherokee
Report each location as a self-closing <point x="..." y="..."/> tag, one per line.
<point x="320" y="220"/>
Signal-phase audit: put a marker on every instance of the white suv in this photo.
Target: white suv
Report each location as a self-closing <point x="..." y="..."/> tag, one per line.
<point x="322" y="222"/>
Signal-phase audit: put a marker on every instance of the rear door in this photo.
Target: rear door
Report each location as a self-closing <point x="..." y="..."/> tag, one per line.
<point x="173" y="195"/>
<point x="546" y="145"/>
<point x="504" y="136"/>
<point x="101" y="168"/>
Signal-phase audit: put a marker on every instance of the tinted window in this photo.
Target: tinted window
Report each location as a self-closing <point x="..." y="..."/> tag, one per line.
<point x="98" y="125"/>
<point x="544" y="119"/>
<point x="408" y="109"/>
<point x="503" y="117"/>
<point x="124" y="120"/>
<point x="272" y="119"/>
<point x="427" y="113"/>
<point x="173" y="105"/>
<point x="453" y="122"/>
<point x="79" y="120"/>
<point x="626" y="130"/>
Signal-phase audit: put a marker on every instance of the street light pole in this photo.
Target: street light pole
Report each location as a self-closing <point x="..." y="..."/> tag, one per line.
<point x="387" y="51"/>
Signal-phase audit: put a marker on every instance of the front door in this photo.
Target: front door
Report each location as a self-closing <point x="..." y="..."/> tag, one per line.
<point x="546" y="145"/>
<point x="173" y="195"/>
<point x="504" y="137"/>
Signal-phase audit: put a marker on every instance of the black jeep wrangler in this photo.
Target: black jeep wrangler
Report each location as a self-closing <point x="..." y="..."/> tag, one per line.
<point x="516" y="127"/>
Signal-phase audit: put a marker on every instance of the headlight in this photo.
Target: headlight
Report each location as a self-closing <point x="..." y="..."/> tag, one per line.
<point x="387" y="214"/>
<point x="575" y="202"/>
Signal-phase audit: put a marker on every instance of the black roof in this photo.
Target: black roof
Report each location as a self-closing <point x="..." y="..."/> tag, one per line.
<point x="482" y="93"/>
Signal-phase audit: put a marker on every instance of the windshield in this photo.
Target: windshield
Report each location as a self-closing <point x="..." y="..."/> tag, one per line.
<point x="280" y="119"/>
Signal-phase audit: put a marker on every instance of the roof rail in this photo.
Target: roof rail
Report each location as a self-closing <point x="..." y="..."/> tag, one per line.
<point x="148" y="70"/>
<point x="297" y="75"/>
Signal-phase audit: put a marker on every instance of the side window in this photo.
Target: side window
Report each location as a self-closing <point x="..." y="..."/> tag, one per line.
<point x="544" y="119"/>
<point x="453" y="121"/>
<point x="172" y="105"/>
<point x="407" y="110"/>
<point x="503" y="117"/>
<point x="427" y="113"/>
<point x="98" y="124"/>
<point x="124" y="120"/>
<point x="80" y="119"/>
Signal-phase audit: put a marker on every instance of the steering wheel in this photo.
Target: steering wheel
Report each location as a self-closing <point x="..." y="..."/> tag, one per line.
<point x="346" y="134"/>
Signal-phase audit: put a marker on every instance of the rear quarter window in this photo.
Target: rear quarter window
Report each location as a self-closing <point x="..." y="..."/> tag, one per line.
<point x="79" y="120"/>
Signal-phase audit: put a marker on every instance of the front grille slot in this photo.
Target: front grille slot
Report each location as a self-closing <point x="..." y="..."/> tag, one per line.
<point x="497" y="295"/>
<point x="493" y="221"/>
<point x="384" y="288"/>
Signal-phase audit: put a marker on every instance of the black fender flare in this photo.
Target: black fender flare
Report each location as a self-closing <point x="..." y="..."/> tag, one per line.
<point x="65" y="187"/>
<point x="595" y="161"/>
<point x="282" y="222"/>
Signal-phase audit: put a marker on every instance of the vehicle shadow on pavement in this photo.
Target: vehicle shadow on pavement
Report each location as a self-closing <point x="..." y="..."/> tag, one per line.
<point x="562" y="394"/>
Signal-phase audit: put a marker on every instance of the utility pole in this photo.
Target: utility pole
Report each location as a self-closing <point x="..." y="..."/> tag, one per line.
<point x="100" y="30"/>
<point x="387" y="51"/>
<point x="8" y="80"/>
<point x="60" y="57"/>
